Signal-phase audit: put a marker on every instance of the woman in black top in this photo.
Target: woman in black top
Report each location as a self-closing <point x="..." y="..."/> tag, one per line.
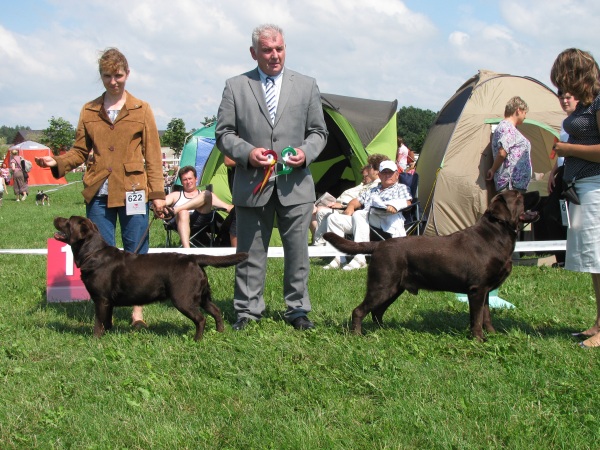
<point x="576" y="71"/>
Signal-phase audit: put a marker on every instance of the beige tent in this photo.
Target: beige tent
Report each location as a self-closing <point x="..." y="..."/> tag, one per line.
<point x="457" y="152"/>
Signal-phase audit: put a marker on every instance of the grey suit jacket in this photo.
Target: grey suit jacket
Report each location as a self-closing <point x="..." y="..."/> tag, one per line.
<point x="244" y="124"/>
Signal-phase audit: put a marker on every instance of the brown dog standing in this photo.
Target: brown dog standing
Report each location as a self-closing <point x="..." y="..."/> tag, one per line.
<point x="117" y="278"/>
<point x="472" y="261"/>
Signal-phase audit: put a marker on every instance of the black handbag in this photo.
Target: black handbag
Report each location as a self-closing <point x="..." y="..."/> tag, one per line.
<point x="568" y="192"/>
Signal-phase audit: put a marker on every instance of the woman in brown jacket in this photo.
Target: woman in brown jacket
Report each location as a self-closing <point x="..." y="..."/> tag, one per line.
<point x="118" y="133"/>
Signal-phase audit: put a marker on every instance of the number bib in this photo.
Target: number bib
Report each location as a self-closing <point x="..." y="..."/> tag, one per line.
<point x="564" y="213"/>
<point x="135" y="202"/>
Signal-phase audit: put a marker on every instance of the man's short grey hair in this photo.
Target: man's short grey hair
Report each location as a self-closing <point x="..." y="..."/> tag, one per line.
<point x="266" y="29"/>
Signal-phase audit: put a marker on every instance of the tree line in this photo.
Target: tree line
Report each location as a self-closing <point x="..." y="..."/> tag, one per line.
<point x="413" y="125"/>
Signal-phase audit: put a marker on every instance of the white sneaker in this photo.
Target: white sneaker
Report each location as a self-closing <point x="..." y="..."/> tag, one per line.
<point x="336" y="263"/>
<point x="355" y="264"/>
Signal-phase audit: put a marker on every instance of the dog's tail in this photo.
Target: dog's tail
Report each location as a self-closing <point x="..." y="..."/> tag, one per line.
<point x="350" y="247"/>
<point x="221" y="261"/>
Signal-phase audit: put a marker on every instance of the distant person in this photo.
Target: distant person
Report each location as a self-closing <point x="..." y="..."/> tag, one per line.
<point x="568" y="103"/>
<point x="5" y="173"/>
<point x="232" y="216"/>
<point x="370" y="174"/>
<point x="2" y="189"/>
<point x="554" y="226"/>
<point x="511" y="168"/>
<point x="576" y="71"/>
<point x="404" y="156"/>
<point x="20" y="186"/>
<point x="193" y="208"/>
<point x="380" y="206"/>
<point x="127" y="157"/>
<point x="262" y="113"/>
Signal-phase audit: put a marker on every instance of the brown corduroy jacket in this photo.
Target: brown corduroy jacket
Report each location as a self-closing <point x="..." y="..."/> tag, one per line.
<point x="127" y="152"/>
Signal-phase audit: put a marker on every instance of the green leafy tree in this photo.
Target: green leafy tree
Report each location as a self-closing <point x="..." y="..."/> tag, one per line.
<point x="413" y="125"/>
<point x="59" y="135"/>
<point x="3" y="147"/>
<point x="11" y="132"/>
<point x="175" y="135"/>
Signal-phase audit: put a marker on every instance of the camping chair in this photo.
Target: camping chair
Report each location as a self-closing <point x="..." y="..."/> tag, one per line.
<point x="208" y="235"/>
<point x="412" y="213"/>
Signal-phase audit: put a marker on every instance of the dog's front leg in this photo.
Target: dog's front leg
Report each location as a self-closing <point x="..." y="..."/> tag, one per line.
<point x="108" y="322"/>
<point x="487" y="317"/>
<point x="476" y="307"/>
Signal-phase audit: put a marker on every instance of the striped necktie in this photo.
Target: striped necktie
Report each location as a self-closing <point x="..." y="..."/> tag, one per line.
<point x="271" y="98"/>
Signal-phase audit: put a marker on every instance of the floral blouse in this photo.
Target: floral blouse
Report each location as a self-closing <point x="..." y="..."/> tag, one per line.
<point x="515" y="171"/>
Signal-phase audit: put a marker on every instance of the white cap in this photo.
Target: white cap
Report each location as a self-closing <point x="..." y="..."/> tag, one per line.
<point x="389" y="165"/>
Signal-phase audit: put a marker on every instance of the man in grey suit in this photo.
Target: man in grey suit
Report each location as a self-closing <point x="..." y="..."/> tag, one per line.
<point x="262" y="113"/>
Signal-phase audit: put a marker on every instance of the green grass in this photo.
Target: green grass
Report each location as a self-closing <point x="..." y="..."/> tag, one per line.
<point x="418" y="382"/>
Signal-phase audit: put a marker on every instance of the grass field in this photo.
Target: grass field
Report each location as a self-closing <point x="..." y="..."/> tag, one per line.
<point x="418" y="382"/>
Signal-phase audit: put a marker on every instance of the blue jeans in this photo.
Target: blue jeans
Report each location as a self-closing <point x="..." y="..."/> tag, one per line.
<point x="132" y="227"/>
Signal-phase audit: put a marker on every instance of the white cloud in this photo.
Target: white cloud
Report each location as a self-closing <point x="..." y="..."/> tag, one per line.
<point x="458" y="39"/>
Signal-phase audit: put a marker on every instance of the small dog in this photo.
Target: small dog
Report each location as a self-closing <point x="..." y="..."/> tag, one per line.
<point x="42" y="198"/>
<point x="114" y="277"/>
<point x="472" y="261"/>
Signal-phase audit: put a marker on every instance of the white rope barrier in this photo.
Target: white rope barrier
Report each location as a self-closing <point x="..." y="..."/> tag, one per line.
<point x="313" y="252"/>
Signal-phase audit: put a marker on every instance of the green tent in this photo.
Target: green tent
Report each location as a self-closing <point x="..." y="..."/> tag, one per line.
<point x="357" y="128"/>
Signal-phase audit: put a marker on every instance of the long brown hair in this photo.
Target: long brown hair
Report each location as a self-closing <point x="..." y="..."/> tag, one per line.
<point x="576" y="71"/>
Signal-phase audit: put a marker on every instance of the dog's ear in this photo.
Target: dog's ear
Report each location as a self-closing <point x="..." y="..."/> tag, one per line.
<point x="87" y="227"/>
<point x="499" y="207"/>
<point x="93" y="226"/>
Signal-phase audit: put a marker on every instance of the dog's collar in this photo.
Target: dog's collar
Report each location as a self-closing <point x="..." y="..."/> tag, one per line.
<point x="507" y="224"/>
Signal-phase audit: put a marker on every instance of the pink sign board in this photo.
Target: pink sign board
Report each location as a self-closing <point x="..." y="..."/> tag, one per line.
<point x="63" y="281"/>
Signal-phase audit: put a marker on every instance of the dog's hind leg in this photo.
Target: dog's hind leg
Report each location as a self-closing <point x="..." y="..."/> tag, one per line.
<point x="193" y="313"/>
<point x="213" y="310"/>
<point x="378" y="312"/>
<point x="376" y="302"/>
<point x="358" y="314"/>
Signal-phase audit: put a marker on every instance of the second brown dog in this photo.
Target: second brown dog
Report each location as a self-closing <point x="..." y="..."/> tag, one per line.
<point x="472" y="261"/>
<point x="114" y="277"/>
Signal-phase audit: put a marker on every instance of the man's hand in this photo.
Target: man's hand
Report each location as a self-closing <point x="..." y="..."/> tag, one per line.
<point x="297" y="160"/>
<point x="258" y="158"/>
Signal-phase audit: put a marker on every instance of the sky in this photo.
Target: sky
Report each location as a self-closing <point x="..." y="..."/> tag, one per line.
<point x="180" y="52"/>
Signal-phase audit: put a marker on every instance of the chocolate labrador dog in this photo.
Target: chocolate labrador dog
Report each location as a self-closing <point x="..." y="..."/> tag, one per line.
<point x="117" y="278"/>
<point x="472" y="261"/>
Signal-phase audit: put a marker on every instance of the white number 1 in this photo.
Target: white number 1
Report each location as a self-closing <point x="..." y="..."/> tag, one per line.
<point x="68" y="260"/>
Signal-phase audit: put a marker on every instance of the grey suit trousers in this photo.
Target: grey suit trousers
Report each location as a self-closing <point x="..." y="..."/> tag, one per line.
<point x="255" y="226"/>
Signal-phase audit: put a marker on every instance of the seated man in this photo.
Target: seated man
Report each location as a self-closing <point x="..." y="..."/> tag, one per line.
<point x="370" y="178"/>
<point x="384" y="202"/>
<point x="192" y="207"/>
